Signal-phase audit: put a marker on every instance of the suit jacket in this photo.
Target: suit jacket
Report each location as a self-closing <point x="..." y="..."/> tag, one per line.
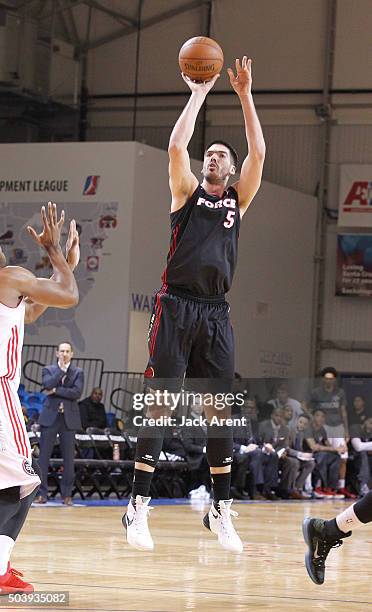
<point x="267" y="436"/>
<point x="68" y="392"/>
<point x="245" y="435"/>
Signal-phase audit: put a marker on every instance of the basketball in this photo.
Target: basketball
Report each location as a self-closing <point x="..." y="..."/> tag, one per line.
<point x="200" y="58"/>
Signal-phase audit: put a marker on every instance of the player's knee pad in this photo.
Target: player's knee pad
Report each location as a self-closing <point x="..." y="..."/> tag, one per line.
<point x="220" y="445"/>
<point x="149" y="444"/>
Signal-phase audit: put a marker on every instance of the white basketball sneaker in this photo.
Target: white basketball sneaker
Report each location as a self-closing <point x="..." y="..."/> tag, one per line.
<point x="219" y="522"/>
<point x="135" y="523"/>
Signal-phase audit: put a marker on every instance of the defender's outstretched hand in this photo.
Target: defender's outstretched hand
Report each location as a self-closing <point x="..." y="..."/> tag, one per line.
<point x="203" y="87"/>
<point x="73" y="246"/>
<point x="242" y="81"/>
<point x="51" y="234"/>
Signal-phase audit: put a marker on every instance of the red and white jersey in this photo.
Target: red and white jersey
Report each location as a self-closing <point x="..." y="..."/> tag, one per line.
<point x="15" y="450"/>
<point x="11" y="342"/>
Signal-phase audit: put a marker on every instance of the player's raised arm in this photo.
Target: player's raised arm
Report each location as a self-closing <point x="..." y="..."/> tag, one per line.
<point x="182" y="181"/>
<point x="251" y="172"/>
<point x="62" y="291"/>
<point x="33" y="310"/>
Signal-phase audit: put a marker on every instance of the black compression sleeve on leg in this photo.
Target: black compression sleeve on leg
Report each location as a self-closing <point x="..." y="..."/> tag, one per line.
<point x="9" y="505"/>
<point x="363" y="508"/>
<point x="16" y="522"/>
<point x="141" y="483"/>
<point x="149" y="444"/>
<point x="220" y="445"/>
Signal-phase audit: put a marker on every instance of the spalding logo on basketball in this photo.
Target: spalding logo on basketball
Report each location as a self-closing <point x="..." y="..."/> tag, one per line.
<point x="200" y="58"/>
<point x="27" y="467"/>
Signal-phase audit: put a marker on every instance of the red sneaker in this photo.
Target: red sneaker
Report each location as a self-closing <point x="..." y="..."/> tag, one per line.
<point x="12" y="583"/>
<point x="328" y="492"/>
<point x="346" y="493"/>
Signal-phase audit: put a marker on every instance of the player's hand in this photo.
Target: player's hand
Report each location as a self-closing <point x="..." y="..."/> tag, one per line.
<point x="201" y="88"/>
<point x="51" y="234"/>
<point x="242" y="81"/>
<point x="73" y="246"/>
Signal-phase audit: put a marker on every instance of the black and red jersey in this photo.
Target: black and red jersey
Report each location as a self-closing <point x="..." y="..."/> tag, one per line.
<point x="204" y="244"/>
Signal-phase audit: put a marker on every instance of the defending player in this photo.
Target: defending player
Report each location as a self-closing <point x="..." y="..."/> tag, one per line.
<point x="23" y="298"/>
<point x="320" y="535"/>
<point x="190" y="331"/>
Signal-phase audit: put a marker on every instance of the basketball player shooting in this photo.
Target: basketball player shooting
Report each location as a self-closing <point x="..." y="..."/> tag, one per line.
<point x="320" y="535"/>
<point x="190" y="331"/>
<point x="23" y="298"/>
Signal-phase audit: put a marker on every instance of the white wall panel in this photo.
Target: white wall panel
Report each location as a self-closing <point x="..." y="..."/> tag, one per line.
<point x="292" y="152"/>
<point x="286" y="39"/>
<point x="353" y="53"/>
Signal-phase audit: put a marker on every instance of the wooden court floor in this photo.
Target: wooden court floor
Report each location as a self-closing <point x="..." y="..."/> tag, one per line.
<point x="83" y="550"/>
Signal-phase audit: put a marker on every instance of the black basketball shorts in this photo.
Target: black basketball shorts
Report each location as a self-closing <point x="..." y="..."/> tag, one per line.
<point x="190" y="337"/>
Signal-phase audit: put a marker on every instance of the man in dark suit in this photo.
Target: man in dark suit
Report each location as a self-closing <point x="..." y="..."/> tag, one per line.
<point x="275" y="438"/>
<point x="64" y="384"/>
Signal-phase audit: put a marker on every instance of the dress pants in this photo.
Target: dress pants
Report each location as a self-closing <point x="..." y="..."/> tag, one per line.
<point x="67" y="446"/>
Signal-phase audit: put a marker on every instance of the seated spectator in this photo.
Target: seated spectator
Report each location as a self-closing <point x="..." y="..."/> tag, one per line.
<point x="331" y="399"/>
<point x="250" y="411"/>
<point x="248" y="457"/>
<point x="359" y="412"/>
<point x="287" y="417"/>
<point x="361" y="441"/>
<point x="305" y="460"/>
<point x="92" y="411"/>
<point x="282" y="400"/>
<point x="327" y="457"/>
<point x="275" y="439"/>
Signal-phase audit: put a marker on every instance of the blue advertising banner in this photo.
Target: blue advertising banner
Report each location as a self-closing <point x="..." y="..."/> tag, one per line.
<point x="354" y="265"/>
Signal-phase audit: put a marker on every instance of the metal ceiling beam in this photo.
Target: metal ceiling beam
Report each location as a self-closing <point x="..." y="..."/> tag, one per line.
<point x="69" y="4"/>
<point x="66" y="32"/>
<point x="146" y="23"/>
<point x="71" y="19"/>
<point x="123" y="19"/>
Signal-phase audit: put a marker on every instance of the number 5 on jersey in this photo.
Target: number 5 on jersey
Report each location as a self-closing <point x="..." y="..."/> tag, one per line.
<point x="230" y="218"/>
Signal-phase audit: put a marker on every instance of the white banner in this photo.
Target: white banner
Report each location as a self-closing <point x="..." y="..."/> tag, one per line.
<point x="355" y="199"/>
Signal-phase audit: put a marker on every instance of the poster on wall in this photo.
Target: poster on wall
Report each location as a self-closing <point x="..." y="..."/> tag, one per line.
<point x="88" y="181"/>
<point x="355" y="197"/>
<point x="354" y="265"/>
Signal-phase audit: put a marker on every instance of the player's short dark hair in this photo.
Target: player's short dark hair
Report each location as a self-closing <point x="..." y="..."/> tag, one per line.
<point x="329" y="370"/>
<point x="304" y="415"/>
<point x="233" y="153"/>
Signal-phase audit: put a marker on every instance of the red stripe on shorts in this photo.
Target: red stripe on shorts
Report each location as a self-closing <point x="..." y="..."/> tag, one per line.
<point x="21" y="423"/>
<point x="15" y="427"/>
<point x="159" y="309"/>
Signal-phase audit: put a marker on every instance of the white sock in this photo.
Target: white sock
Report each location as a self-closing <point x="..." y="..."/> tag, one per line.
<point x="341" y="483"/>
<point x="6" y="547"/>
<point x="348" y="520"/>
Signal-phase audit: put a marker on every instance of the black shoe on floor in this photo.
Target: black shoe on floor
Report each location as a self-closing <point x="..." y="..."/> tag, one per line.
<point x="318" y="548"/>
<point x="271" y="496"/>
